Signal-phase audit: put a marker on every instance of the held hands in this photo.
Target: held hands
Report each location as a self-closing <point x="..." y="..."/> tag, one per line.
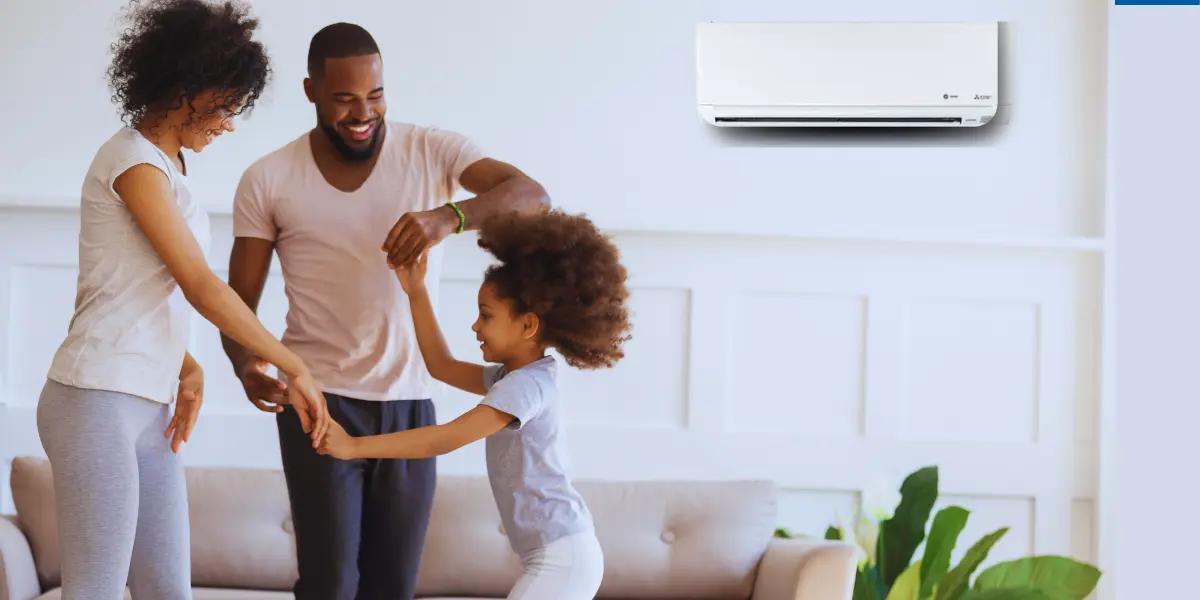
<point x="417" y="232"/>
<point x="188" y="399"/>
<point x="269" y="394"/>
<point x="412" y="277"/>
<point x="308" y="401"/>
<point x="337" y="443"/>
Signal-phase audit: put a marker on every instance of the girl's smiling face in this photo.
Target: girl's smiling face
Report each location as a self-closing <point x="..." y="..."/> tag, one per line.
<point x="503" y="335"/>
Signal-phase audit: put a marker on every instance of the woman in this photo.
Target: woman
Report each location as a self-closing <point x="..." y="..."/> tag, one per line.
<point x="181" y="71"/>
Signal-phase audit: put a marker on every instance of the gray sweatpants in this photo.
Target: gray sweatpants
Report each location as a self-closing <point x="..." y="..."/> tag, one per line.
<point x="120" y="494"/>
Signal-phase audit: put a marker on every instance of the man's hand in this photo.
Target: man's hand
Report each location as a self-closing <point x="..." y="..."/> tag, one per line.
<point x="337" y="443"/>
<point x="187" y="406"/>
<point x="265" y="392"/>
<point x="417" y="232"/>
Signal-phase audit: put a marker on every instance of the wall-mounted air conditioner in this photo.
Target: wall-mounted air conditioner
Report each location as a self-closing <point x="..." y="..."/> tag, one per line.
<point x="847" y="74"/>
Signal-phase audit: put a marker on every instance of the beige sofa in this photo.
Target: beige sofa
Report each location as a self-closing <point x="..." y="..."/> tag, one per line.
<point x="696" y="540"/>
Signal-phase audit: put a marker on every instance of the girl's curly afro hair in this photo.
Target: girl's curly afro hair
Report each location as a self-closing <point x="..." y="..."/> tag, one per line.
<point x="172" y="49"/>
<point x="561" y="268"/>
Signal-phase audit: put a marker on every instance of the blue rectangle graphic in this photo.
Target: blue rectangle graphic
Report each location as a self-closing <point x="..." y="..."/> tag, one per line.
<point x="1158" y="2"/>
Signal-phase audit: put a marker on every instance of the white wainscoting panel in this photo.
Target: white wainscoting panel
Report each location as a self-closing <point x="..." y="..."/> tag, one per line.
<point x="971" y="371"/>
<point x="648" y="388"/>
<point x="989" y="513"/>
<point x="798" y="364"/>
<point x="812" y="511"/>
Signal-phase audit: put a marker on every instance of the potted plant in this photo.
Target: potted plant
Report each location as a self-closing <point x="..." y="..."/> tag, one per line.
<point x="888" y="572"/>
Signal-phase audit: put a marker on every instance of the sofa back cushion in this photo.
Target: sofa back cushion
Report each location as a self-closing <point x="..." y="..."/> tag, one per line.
<point x="661" y="539"/>
<point x="241" y="525"/>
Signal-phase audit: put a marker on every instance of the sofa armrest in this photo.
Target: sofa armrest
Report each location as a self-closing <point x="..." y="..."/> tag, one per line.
<point x="18" y="576"/>
<point x="806" y="570"/>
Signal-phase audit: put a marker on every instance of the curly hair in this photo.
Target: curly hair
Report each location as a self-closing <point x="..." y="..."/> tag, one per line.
<point x="561" y="268"/>
<point x="172" y="50"/>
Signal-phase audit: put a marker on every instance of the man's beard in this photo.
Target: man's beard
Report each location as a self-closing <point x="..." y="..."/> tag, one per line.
<point x="346" y="151"/>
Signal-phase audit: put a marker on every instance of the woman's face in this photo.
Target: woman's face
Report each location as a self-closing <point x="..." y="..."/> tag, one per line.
<point x="213" y="116"/>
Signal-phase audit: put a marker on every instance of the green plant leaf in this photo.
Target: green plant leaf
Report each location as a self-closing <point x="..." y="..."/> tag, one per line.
<point x="833" y="533"/>
<point x="782" y="532"/>
<point x="908" y="584"/>
<point x="1011" y="594"/>
<point x="867" y="585"/>
<point x="954" y="584"/>
<point x="948" y="523"/>
<point x="1058" y="576"/>
<point x="900" y="535"/>
<point x="862" y="590"/>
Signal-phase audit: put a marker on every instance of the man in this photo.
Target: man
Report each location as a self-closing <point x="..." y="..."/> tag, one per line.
<point x="342" y="204"/>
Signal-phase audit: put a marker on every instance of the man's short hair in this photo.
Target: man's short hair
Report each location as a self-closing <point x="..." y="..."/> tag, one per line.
<point x="340" y="40"/>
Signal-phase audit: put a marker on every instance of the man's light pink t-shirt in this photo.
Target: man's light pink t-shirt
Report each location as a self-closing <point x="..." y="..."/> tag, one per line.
<point x="348" y="318"/>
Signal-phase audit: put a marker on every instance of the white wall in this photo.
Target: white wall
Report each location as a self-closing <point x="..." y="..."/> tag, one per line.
<point x="924" y="297"/>
<point x="1152" y="488"/>
<point x="598" y="101"/>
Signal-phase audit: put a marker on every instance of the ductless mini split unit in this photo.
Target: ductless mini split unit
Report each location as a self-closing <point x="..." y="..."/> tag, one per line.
<point x="847" y="74"/>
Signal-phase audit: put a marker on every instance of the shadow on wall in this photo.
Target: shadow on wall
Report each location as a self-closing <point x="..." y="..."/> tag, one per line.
<point x="882" y="137"/>
<point x="860" y="137"/>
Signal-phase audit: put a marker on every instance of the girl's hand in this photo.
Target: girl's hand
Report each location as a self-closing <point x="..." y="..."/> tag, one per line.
<point x="309" y="402"/>
<point x="412" y="277"/>
<point x="337" y="443"/>
<point x="188" y="399"/>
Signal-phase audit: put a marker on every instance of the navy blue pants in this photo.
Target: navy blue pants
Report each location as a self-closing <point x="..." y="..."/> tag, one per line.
<point x="360" y="524"/>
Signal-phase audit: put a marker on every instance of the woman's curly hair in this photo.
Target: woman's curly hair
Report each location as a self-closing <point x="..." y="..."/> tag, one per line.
<point x="561" y="268"/>
<point x="176" y="49"/>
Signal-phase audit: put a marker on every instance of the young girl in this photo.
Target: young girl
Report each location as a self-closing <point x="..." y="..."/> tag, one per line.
<point x="559" y="285"/>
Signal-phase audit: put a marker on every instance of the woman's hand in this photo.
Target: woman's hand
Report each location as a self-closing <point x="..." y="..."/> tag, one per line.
<point x="188" y="399"/>
<point x="308" y="401"/>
